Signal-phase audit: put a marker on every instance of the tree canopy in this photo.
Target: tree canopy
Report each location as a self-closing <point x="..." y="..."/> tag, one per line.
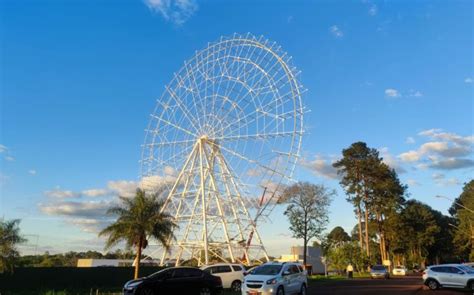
<point x="139" y="217"/>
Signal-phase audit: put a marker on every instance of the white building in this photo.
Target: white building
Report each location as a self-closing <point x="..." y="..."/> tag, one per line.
<point x="113" y="262"/>
<point x="313" y="258"/>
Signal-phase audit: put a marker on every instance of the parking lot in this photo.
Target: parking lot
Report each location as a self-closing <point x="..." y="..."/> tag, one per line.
<point x="394" y="286"/>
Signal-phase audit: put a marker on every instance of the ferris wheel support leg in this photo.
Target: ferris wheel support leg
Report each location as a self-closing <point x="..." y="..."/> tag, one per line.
<point x="203" y="196"/>
<point x="224" y="173"/>
<point x="178" y="179"/>
<point x="171" y="193"/>
<point x="246" y="212"/>
<point x="217" y="198"/>
<point x="183" y="194"/>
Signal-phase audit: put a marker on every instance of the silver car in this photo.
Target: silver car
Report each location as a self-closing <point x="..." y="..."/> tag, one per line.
<point x="276" y="278"/>
<point x="379" y="271"/>
<point x="449" y="275"/>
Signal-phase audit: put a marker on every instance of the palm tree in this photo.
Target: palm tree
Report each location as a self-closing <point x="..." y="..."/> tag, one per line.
<point x="139" y="218"/>
<point x="9" y="238"/>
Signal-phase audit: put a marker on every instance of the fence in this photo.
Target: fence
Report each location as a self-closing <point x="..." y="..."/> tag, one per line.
<point x="68" y="278"/>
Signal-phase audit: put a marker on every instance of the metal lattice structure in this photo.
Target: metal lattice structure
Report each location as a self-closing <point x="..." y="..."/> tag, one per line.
<point x="224" y="136"/>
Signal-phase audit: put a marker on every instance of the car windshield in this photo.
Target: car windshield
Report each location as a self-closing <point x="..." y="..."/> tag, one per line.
<point x="378" y="267"/>
<point x="467" y="269"/>
<point x="267" y="270"/>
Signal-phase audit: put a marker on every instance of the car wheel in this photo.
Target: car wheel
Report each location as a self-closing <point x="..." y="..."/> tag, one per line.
<point x="433" y="285"/>
<point x="470" y="286"/>
<point x="303" y="290"/>
<point x="280" y="291"/>
<point x="236" y="286"/>
<point x="205" y="291"/>
<point x="146" y="291"/>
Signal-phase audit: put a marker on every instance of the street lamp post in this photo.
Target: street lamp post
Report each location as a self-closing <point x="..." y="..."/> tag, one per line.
<point x="457" y="203"/>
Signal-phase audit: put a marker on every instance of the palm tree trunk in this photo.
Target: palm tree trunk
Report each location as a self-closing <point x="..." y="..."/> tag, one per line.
<point x="138" y="258"/>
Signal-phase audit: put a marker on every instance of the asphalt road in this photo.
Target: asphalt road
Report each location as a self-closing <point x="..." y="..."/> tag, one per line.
<point x="393" y="286"/>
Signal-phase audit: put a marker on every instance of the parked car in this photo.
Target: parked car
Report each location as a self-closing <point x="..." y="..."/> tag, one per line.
<point x="399" y="271"/>
<point x="470" y="264"/>
<point x="449" y="275"/>
<point x="250" y="270"/>
<point x="175" y="280"/>
<point x="232" y="274"/>
<point x="276" y="278"/>
<point x="379" y="271"/>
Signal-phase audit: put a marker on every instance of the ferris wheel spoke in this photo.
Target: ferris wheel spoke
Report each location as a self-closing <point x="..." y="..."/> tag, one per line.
<point x="258" y="136"/>
<point x="180" y="104"/>
<point x="174" y="125"/>
<point x="254" y="162"/>
<point x="166" y="143"/>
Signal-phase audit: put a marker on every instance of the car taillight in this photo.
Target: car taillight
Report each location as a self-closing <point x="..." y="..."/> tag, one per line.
<point x="219" y="280"/>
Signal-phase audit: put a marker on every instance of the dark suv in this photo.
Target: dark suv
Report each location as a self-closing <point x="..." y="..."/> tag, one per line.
<point x="175" y="280"/>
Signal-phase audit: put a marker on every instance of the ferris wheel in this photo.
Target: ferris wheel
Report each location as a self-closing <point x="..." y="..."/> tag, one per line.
<point x="224" y="137"/>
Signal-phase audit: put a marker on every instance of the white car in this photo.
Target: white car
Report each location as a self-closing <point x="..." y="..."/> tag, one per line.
<point x="231" y="274"/>
<point x="449" y="275"/>
<point x="399" y="271"/>
<point x="276" y="278"/>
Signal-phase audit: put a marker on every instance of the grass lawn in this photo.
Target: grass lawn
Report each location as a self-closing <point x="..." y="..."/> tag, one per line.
<point x="321" y="279"/>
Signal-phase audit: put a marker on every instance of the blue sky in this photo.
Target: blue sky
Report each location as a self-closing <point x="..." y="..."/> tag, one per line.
<point x="79" y="79"/>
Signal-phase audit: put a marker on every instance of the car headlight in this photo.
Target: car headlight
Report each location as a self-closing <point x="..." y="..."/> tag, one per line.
<point x="132" y="285"/>
<point x="272" y="281"/>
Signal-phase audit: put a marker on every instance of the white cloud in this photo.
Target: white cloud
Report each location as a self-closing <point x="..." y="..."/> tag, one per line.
<point x="9" y="158"/>
<point x="410" y="156"/>
<point x="175" y="11"/>
<point x="410" y="140"/>
<point x="437" y="176"/>
<point x="321" y="167"/>
<point x="391" y="92"/>
<point x="90" y="216"/>
<point x="441" y="180"/>
<point x="3" y="148"/>
<point x="451" y="163"/>
<point x="89" y="225"/>
<point x="412" y="182"/>
<point x="32" y="172"/>
<point x="440" y="135"/>
<point x="415" y="93"/>
<point x="95" y="192"/>
<point x="254" y="172"/>
<point x="124" y="188"/>
<point x="446" y="151"/>
<point x="469" y="80"/>
<point x="336" y="32"/>
<point x="390" y="160"/>
<point x="57" y="193"/>
<point x="373" y="10"/>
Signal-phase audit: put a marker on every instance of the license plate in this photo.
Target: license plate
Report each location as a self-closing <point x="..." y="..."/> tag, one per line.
<point x="252" y="293"/>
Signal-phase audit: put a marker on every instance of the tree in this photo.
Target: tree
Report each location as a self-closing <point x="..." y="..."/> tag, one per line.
<point x="337" y="237"/>
<point x="139" y="218"/>
<point x="307" y="210"/>
<point x="386" y="199"/>
<point x="462" y="211"/>
<point x="356" y="168"/>
<point x="419" y="229"/>
<point x="9" y="239"/>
